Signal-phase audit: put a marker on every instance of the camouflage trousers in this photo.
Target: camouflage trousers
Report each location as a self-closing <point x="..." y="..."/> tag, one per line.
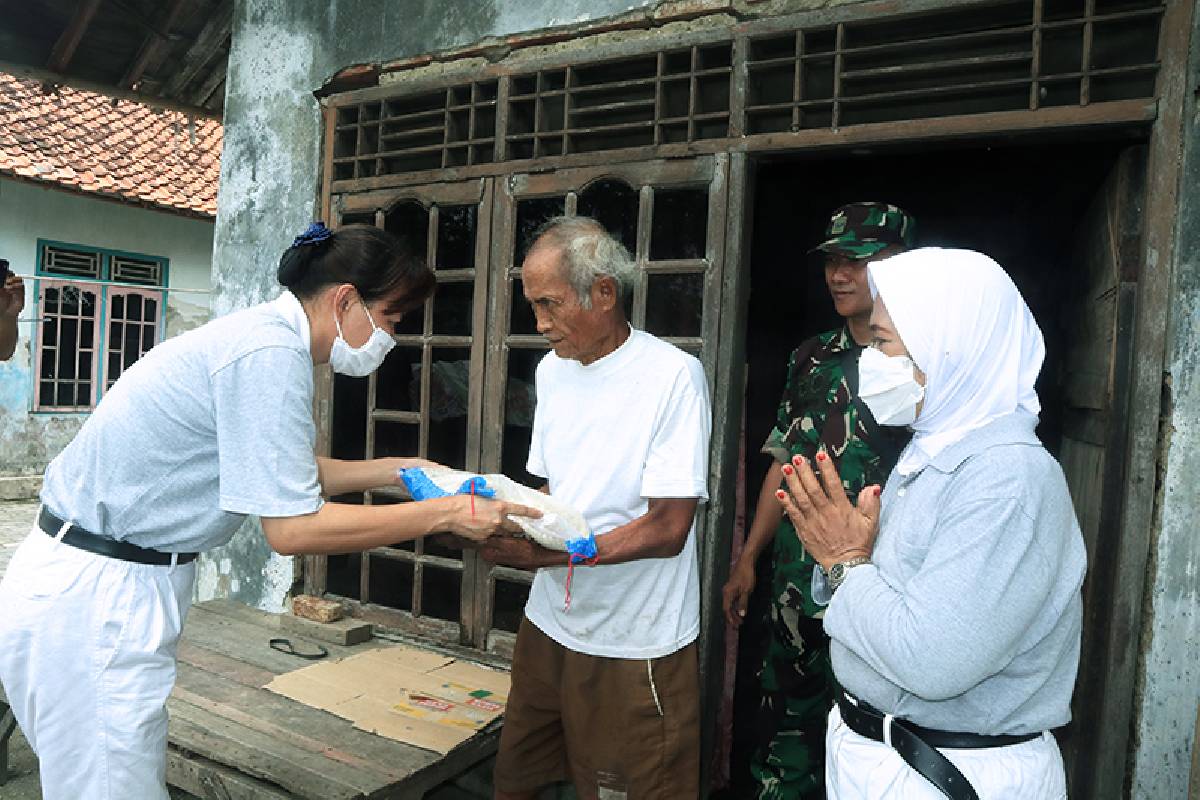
<point x="796" y="681"/>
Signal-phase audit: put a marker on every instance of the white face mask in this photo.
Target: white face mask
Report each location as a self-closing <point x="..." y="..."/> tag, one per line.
<point x="888" y="387"/>
<point x="360" y="361"/>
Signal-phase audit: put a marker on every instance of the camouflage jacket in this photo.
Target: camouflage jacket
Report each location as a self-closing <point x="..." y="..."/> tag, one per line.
<point x="818" y="407"/>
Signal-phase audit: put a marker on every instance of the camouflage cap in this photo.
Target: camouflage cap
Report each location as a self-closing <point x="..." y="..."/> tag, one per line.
<point x="860" y="230"/>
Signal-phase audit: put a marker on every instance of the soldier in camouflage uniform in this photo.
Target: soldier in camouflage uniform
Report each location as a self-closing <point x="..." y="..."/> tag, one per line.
<point x="818" y="410"/>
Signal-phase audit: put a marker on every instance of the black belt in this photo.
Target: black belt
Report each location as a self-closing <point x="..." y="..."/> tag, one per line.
<point x="917" y="745"/>
<point x="103" y="546"/>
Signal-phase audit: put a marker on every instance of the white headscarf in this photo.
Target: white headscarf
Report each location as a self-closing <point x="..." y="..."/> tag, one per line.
<point x="968" y="329"/>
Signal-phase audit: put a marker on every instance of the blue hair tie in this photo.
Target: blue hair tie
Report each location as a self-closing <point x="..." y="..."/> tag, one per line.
<point x="314" y="234"/>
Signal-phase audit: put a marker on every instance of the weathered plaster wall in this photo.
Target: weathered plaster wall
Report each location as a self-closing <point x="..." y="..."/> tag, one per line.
<point x="29" y="212"/>
<point x="1170" y="671"/>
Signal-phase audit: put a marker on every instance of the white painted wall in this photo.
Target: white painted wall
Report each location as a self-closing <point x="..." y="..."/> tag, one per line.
<point x="29" y="212"/>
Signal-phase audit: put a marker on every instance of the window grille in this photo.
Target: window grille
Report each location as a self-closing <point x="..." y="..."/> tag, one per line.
<point x="1008" y="55"/>
<point x="133" y="317"/>
<point x="659" y="98"/>
<point x="1001" y="57"/>
<point x="68" y="341"/>
<point x="451" y="127"/>
<point x="65" y="261"/>
<point x="135" y="270"/>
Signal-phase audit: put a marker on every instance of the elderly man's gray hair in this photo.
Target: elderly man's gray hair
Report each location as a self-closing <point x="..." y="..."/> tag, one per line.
<point x="589" y="252"/>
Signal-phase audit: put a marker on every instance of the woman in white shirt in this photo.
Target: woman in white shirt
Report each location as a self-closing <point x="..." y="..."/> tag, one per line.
<point x="205" y="429"/>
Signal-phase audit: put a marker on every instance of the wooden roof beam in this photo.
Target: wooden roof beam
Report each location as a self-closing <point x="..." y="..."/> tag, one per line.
<point x="154" y="41"/>
<point x="214" y="81"/>
<point x="211" y="39"/>
<point x="68" y="40"/>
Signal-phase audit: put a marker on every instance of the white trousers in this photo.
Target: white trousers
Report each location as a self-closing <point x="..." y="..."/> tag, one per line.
<point x="857" y="768"/>
<point x="87" y="659"/>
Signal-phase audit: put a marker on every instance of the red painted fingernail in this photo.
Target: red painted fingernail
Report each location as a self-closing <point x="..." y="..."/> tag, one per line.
<point x="798" y="460"/>
<point x="781" y="494"/>
<point x="878" y="491"/>
<point x="787" y="469"/>
<point x="820" y="456"/>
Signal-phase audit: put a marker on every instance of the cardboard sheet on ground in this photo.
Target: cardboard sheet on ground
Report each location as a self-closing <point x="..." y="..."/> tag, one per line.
<point x="413" y="696"/>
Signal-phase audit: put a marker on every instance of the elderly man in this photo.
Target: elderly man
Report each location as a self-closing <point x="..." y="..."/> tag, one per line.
<point x="819" y="409"/>
<point x="605" y="687"/>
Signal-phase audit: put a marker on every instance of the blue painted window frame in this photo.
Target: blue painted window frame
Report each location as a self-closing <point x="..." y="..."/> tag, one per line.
<point x="106" y="257"/>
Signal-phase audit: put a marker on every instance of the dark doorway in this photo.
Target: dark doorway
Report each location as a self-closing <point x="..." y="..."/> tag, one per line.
<point x="1037" y="210"/>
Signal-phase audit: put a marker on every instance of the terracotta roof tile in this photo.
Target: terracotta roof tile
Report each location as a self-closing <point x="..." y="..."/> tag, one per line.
<point x="91" y="142"/>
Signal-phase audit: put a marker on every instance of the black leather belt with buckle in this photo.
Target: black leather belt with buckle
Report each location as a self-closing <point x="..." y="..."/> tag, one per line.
<point x="918" y="745"/>
<point x="103" y="546"/>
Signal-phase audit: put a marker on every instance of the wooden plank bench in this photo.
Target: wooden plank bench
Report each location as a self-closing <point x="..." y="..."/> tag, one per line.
<point x="231" y="739"/>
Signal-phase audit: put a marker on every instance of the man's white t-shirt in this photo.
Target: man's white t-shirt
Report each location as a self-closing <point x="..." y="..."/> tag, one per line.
<point x="630" y="426"/>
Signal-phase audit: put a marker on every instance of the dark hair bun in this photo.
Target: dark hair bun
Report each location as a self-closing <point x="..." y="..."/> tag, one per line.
<point x="293" y="265"/>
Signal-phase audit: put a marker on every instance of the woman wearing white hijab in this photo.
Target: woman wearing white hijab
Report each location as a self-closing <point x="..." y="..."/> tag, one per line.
<point x="955" y="611"/>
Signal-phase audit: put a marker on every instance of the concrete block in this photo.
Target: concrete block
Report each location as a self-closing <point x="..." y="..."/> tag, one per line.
<point x="342" y="631"/>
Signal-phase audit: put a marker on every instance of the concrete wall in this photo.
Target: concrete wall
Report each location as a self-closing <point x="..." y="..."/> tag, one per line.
<point x="1170" y="670"/>
<point x="29" y="212"/>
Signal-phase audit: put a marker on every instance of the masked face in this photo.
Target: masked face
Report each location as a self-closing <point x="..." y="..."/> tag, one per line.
<point x="888" y="387"/>
<point x="360" y="361"/>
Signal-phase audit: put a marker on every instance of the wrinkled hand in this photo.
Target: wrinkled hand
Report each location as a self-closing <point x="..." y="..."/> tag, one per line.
<point x="12" y="297"/>
<point x="485" y="518"/>
<point x="520" y="553"/>
<point x="736" y="593"/>
<point x="829" y="527"/>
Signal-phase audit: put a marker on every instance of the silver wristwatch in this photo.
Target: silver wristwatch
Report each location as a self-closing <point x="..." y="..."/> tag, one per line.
<point x="837" y="573"/>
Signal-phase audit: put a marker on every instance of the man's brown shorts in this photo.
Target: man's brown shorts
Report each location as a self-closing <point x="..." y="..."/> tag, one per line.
<point x="580" y="717"/>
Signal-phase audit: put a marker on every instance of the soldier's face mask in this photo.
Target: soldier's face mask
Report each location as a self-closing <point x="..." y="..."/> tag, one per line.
<point x="888" y="387"/>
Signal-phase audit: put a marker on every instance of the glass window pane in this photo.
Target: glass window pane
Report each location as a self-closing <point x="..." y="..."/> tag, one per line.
<point x="147" y="337"/>
<point x="509" y="607"/>
<point x="349" y="430"/>
<point x="441" y="593"/>
<point x="397" y="384"/>
<point x="410" y="221"/>
<point x="520" y="398"/>
<point x="118" y="306"/>
<point x="456" y="237"/>
<point x="521" y="318"/>
<point x="453" y="307"/>
<point x="133" y="304"/>
<point x="395" y="439"/>
<point x="614" y="204"/>
<point x="391" y="583"/>
<point x="680" y="224"/>
<point x="343" y="574"/>
<point x="150" y="310"/>
<point x="531" y="213"/>
<point x="675" y="304"/>
<point x="449" y="391"/>
<point x="133" y="343"/>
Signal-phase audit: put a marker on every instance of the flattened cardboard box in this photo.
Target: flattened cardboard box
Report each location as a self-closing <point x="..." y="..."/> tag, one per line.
<point x="410" y="695"/>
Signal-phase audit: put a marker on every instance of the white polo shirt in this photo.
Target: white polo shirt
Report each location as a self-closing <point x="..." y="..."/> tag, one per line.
<point x="608" y="436"/>
<point x="204" y="429"/>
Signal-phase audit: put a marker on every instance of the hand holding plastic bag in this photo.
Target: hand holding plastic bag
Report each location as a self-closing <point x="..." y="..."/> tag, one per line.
<point x="558" y="524"/>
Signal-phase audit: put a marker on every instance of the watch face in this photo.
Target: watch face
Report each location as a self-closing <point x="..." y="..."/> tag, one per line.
<point x="837" y="572"/>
